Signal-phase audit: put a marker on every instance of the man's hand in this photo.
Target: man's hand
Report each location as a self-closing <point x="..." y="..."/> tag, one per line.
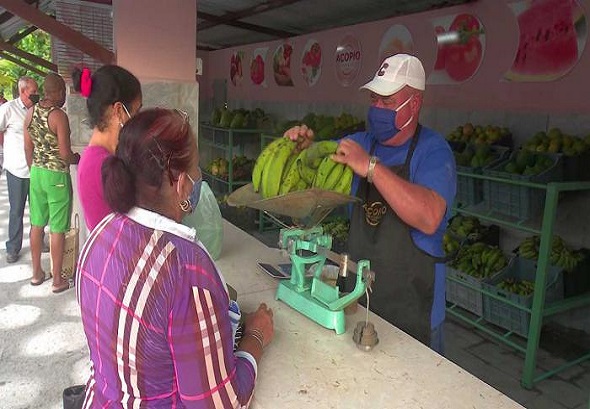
<point x="352" y="154"/>
<point x="301" y="134"/>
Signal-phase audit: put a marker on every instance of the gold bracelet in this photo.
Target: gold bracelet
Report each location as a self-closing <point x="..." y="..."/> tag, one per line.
<point x="372" y="163"/>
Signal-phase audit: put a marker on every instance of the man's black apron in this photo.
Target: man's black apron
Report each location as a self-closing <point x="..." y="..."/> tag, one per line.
<point x="404" y="274"/>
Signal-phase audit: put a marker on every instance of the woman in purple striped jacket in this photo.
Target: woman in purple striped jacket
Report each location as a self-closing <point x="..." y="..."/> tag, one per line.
<point x="156" y="312"/>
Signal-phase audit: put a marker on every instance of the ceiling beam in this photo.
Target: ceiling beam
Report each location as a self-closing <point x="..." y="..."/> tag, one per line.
<point x="22" y="63"/>
<point x="242" y="25"/>
<point x="4" y="46"/>
<point x="4" y="17"/>
<point x="21" y="35"/>
<point x="227" y="18"/>
<point x="61" y="31"/>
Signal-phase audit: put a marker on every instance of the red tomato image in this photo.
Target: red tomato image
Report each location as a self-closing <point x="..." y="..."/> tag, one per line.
<point x="461" y="60"/>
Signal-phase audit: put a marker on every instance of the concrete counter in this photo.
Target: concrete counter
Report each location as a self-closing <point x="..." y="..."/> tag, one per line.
<point x="310" y="366"/>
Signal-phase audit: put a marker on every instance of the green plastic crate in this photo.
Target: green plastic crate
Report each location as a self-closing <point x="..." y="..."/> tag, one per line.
<point x="507" y="316"/>
<point x="521" y="202"/>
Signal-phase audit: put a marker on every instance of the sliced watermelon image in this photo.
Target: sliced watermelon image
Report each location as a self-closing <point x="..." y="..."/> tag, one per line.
<point x="548" y="44"/>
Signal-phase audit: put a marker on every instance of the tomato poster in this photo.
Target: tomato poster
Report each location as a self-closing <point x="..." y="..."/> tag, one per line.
<point x="348" y="59"/>
<point x="311" y="62"/>
<point x="281" y="65"/>
<point x="236" y="73"/>
<point x="397" y="40"/>
<point x="257" y="64"/>
<point x="461" y="44"/>
<point x="551" y="55"/>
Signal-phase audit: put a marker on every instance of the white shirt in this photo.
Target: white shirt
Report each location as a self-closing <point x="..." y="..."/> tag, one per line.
<point x="12" y="120"/>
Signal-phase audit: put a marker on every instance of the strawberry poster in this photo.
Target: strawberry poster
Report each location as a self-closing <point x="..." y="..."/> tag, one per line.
<point x="311" y="62"/>
<point x="281" y="65"/>
<point x="348" y="60"/>
<point x="236" y="74"/>
<point x="397" y="40"/>
<point x="461" y="45"/>
<point x="551" y="40"/>
<point x="257" y="65"/>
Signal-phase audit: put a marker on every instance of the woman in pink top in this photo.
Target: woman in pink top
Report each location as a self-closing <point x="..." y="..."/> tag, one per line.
<point x="113" y="96"/>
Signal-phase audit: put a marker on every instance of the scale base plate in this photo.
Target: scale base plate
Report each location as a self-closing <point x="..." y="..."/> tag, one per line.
<point x="312" y="309"/>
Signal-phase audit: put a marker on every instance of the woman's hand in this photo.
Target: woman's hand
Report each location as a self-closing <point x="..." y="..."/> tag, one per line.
<point x="260" y="320"/>
<point x="301" y="134"/>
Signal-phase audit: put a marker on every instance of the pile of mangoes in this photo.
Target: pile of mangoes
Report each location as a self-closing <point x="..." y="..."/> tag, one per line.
<point x="527" y="163"/>
<point x="555" y="141"/>
<point x="241" y="119"/>
<point x="479" y="134"/>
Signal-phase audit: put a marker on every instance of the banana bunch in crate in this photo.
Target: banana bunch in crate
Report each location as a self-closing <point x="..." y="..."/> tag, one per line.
<point x="561" y="255"/>
<point x="480" y="260"/>
<point x="515" y="286"/>
<point x="282" y="168"/>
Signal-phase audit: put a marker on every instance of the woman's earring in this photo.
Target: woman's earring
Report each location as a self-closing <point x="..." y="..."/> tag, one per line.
<point x="185" y="205"/>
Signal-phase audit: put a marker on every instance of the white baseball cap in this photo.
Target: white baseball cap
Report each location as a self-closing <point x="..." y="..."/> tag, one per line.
<point x="395" y="73"/>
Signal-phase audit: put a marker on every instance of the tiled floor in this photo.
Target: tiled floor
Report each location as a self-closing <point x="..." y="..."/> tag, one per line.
<point x="43" y="350"/>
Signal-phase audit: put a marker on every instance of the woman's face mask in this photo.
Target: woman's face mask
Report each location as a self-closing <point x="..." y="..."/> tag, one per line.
<point x="195" y="194"/>
<point x="382" y="121"/>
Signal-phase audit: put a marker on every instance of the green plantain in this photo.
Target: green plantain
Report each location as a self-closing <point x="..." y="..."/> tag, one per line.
<point x="345" y="183"/>
<point x="273" y="169"/>
<point x="262" y="160"/>
<point x="323" y="172"/>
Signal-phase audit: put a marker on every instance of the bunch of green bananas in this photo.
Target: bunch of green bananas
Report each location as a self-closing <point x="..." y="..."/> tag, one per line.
<point x="479" y="260"/>
<point x="464" y="226"/>
<point x="282" y="168"/>
<point x="561" y="255"/>
<point x="515" y="286"/>
<point x="450" y="244"/>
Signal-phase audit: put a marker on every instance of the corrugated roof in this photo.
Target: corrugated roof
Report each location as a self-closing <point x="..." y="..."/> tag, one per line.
<point x="229" y="23"/>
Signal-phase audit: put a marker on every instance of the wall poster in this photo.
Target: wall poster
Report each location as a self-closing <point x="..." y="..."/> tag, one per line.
<point x="348" y="59"/>
<point x="257" y="64"/>
<point x="281" y="65"/>
<point x="236" y="73"/>
<point x="311" y="62"/>
<point x="397" y="40"/>
<point x="461" y="45"/>
<point x="551" y="41"/>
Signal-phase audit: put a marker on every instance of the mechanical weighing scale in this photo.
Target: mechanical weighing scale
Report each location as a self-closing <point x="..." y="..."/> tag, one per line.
<point x="308" y="249"/>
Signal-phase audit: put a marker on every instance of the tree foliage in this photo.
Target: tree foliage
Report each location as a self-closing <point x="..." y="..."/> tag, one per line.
<point x="37" y="43"/>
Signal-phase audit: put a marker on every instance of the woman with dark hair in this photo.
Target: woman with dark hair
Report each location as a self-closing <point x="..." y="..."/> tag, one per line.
<point x="155" y="309"/>
<point x="113" y="96"/>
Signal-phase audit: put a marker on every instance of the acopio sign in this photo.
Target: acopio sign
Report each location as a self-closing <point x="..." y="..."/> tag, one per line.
<point x="349" y="57"/>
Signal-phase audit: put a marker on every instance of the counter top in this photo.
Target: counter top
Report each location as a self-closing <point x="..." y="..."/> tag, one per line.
<point x="307" y="365"/>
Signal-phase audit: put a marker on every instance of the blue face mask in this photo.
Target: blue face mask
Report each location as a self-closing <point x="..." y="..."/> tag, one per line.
<point x="382" y="122"/>
<point x="195" y="194"/>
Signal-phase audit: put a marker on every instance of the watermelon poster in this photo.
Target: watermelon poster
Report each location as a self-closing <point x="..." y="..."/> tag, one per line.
<point x="236" y="72"/>
<point x="395" y="41"/>
<point x="461" y="43"/>
<point x="552" y="37"/>
<point x="257" y="64"/>
<point x="281" y="63"/>
<point x="311" y="62"/>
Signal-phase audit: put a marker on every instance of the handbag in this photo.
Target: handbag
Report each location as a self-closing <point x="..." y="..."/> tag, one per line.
<point x="73" y="396"/>
<point x="71" y="250"/>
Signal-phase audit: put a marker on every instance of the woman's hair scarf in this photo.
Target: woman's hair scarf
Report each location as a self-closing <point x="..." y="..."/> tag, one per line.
<point x="85" y="83"/>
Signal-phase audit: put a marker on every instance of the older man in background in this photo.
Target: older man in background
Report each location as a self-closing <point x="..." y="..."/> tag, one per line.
<point x="12" y="119"/>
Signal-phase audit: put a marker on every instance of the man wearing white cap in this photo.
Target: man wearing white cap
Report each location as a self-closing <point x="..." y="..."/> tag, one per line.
<point x="405" y="177"/>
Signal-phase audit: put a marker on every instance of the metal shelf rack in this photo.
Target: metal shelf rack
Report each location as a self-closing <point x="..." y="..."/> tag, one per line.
<point x="539" y="310"/>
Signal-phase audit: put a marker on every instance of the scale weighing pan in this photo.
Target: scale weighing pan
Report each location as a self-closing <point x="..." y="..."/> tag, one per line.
<point x="306" y="207"/>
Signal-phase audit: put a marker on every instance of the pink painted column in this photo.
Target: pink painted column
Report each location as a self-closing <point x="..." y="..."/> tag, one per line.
<point x="155" y="39"/>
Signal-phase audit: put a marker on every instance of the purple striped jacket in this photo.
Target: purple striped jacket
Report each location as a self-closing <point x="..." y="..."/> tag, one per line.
<point x="155" y="313"/>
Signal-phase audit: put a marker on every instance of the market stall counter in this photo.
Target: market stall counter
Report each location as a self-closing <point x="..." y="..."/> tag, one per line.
<point x="307" y="365"/>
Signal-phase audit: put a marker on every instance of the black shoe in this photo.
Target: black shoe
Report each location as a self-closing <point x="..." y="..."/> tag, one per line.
<point x="12" y="257"/>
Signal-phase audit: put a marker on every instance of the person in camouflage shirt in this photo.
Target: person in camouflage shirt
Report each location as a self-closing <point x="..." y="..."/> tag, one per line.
<point x="49" y="156"/>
